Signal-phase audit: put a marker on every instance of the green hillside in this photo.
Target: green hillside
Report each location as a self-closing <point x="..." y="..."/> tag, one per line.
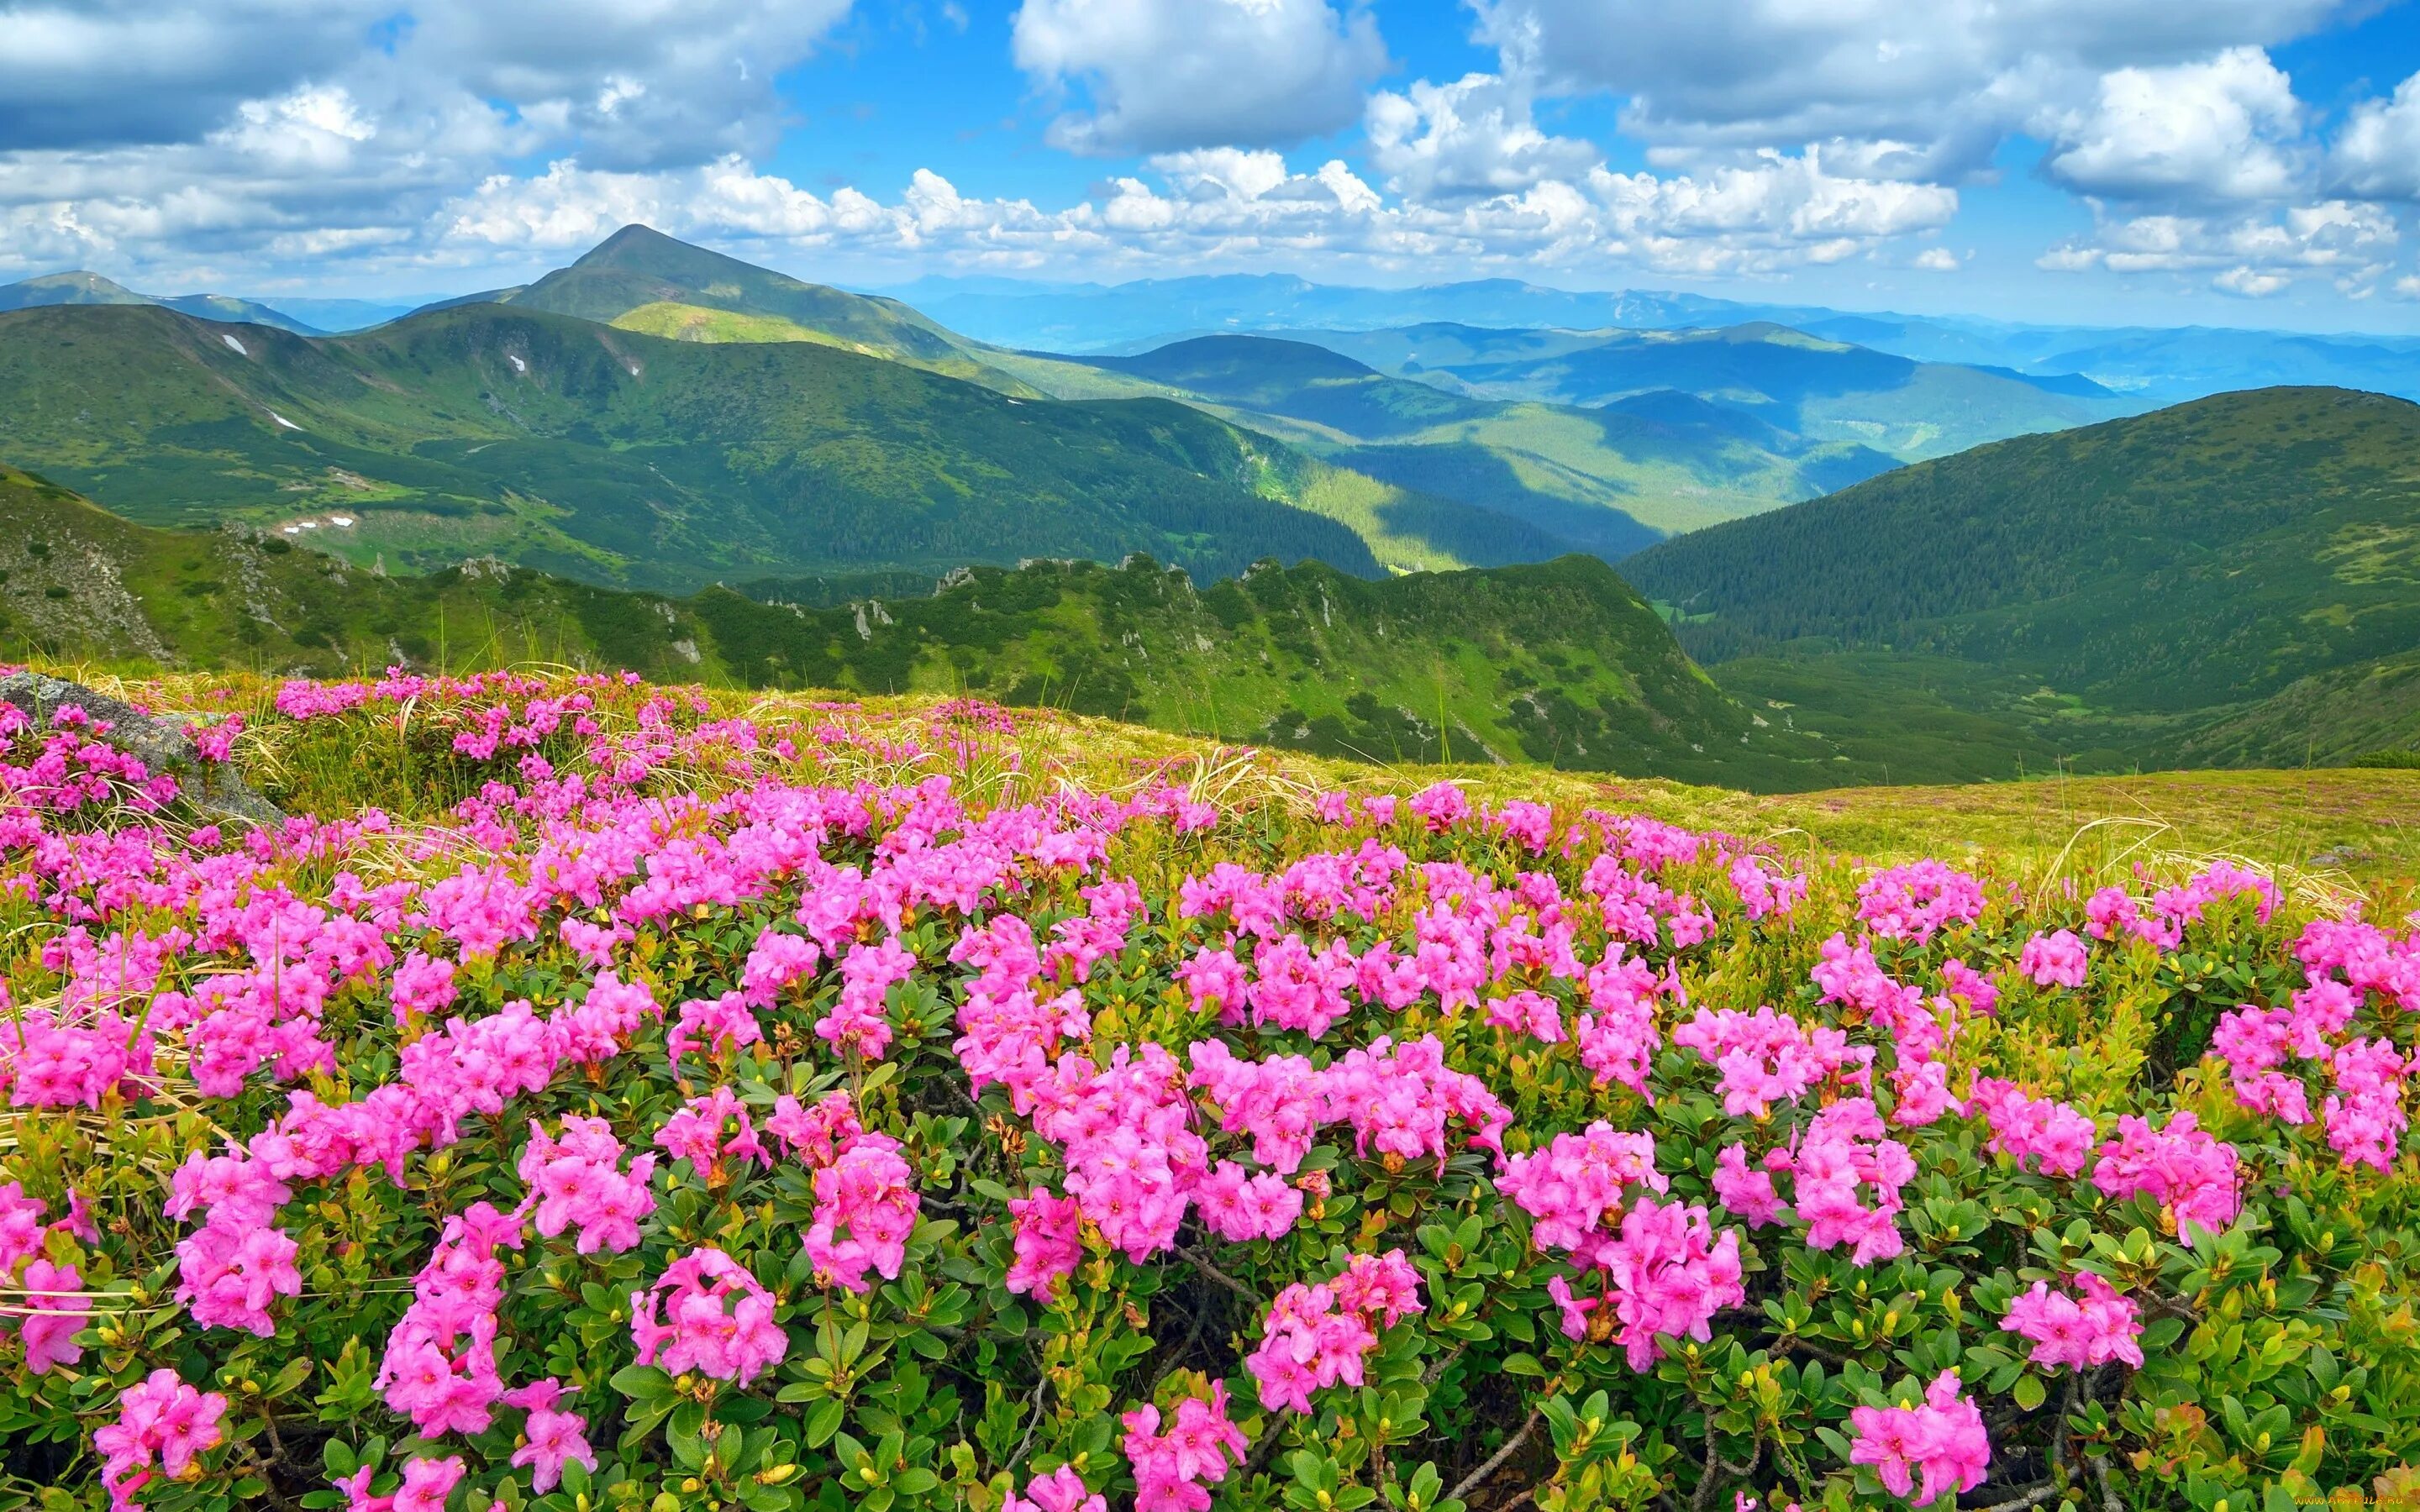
<point x="622" y="457"/>
<point x="1559" y="663"/>
<point x="642" y="280"/>
<point x="1607" y="479"/>
<point x="2236" y="580"/>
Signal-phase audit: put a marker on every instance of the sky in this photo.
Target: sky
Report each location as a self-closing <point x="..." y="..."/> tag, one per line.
<point x="2243" y="163"/>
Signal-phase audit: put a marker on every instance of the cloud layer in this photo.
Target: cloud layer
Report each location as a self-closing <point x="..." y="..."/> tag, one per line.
<point x="177" y="142"/>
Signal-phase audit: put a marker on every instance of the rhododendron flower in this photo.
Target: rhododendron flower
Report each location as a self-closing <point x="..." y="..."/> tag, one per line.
<point x="51" y="1316"/>
<point x="865" y="1212"/>
<point x="1317" y="1337"/>
<point x="2054" y="960"/>
<point x="1047" y="1239"/>
<point x="1171" y="1468"/>
<point x="716" y="1320"/>
<point x="162" y="1422"/>
<point x="2025" y="1128"/>
<point x="2180" y="1167"/>
<point x="1062" y="1490"/>
<point x="577" y="1185"/>
<point x="227" y="1275"/>
<point x="1667" y="1276"/>
<point x="552" y="1438"/>
<point x="1943" y="1439"/>
<point x="2083" y="1330"/>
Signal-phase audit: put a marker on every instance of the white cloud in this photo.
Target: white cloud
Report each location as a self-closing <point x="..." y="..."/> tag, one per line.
<point x="1945" y="82"/>
<point x="95" y="75"/>
<point x="2377" y="154"/>
<point x="1226" y="206"/>
<point x="1168" y="75"/>
<point x="2227" y="128"/>
<point x="1936" y="260"/>
<point x="2252" y="253"/>
<point x="1474" y="137"/>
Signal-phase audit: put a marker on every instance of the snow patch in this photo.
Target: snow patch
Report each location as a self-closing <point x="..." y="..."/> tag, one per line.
<point x="342" y="522"/>
<point x="519" y="367"/>
<point x="283" y="421"/>
<point x="234" y="346"/>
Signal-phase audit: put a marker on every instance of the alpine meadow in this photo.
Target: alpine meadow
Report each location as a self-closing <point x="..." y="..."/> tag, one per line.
<point x="1209" y="756"/>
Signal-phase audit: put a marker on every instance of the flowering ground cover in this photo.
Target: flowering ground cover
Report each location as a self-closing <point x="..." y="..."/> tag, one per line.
<point x="610" y="1099"/>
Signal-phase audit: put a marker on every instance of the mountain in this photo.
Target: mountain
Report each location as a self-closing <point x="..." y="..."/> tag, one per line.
<point x="1561" y="662"/>
<point x="338" y="315"/>
<point x="626" y="459"/>
<point x="1094" y="318"/>
<point x="1816" y="389"/>
<point x="2236" y="578"/>
<point x="91" y="288"/>
<point x="639" y="279"/>
<point x="1606" y="480"/>
<point x="2154" y="366"/>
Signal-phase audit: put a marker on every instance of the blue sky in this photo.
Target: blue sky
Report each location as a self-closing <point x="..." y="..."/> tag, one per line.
<point x="2224" y="161"/>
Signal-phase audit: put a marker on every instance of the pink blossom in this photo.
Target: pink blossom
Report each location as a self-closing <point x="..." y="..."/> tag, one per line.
<point x="162" y="1422"/>
<point x="2054" y="960"/>
<point x="2092" y="1329"/>
<point x="717" y="1320"/>
<point x="2180" y="1167"/>
<point x="1171" y="1468"/>
<point x="1944" y="1440"/>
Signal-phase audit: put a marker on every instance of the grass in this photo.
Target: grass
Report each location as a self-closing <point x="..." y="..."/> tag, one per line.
<point x="2352" y="830"/>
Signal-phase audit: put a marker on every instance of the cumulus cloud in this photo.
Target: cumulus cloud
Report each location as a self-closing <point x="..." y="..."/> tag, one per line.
<point x="105" y="73"/>
<point x="1228" y="204"/>
<point x="2251" y="253"/>
<point x="2377" y="154"/>
<point x="1937" y="260"/>
<point x="1169" y="75"/>
<point x="1943" y="81"/>
<point x="2227" y="128"/>
<point x="1474" y="137"/>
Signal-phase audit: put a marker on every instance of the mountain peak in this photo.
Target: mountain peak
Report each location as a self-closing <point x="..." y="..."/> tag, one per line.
<point x="76" y="287"/>
<point x="635" y="237"/>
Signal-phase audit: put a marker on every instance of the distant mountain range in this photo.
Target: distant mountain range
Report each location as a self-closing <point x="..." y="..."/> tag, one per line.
<point x="2235" y="581"/>
<point x="2153" y="366"/>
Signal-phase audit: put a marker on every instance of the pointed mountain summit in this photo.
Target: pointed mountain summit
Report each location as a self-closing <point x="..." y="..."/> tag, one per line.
<point x="639" y="279"/>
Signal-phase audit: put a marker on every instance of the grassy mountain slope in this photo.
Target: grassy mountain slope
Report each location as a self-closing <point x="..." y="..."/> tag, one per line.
<point x="1606" y="480"/>
<point x="1559" y="663"/>
<point x="624" y="457"/>
<point x="2236" y="578"/>
<point x="79" y="583"/>
<point x="639" y="278"/>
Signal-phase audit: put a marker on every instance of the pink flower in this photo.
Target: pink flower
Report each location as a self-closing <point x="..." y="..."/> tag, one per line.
<point x="51" y="1316"/>
<point x="2058" y="960"/>
<point x="716" y="1320"/>
<point x="865" y="1212"/>
<point x="552" y="1438"/>
<point x="1943" y="1439"/>
<point x="2083" y="1330"/>
<point x="2183" y="1169"/>
<point x="1062" y="1490"/>
<point x="1317" y="1337"/>
<point x="162" y="1422"/>
<point x="2025" y="1128"/>
<point x="1171" y="1468"/>
<point x="1047" y="1239"/>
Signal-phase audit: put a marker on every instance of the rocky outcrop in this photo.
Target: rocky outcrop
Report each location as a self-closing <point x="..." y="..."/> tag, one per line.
<point x="213" y="788"/>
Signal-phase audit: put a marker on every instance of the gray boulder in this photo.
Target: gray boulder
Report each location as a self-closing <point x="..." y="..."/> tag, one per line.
<point x="215" y="789"/>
